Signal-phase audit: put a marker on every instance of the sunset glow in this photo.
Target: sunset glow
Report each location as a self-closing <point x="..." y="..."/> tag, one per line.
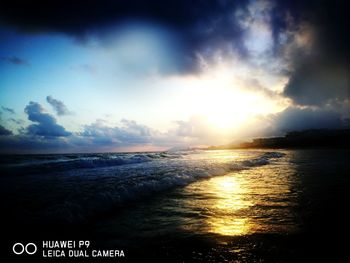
<point x="145" y="82"/>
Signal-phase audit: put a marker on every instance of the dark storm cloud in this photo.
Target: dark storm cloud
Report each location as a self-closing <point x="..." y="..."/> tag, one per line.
<point x="15" y="61"/>
<point x="319" y="83"/>
<point x="4" y="131"/>
<point x="58" y="106"/>
<point x="297" y="119"/>
<point x="79" y="17"/>
<point x="46" y="124"/>
<point x="200" y="25"/>
<point x="321" y="75"/>
<point x="206" y="26"/>
<point x="9" y="110"/>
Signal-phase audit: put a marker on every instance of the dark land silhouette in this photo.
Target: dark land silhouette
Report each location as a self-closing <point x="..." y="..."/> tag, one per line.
<point x="320" y="138"/>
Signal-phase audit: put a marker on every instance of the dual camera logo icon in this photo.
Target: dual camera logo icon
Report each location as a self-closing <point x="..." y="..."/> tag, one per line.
<point x="20" y="248"/>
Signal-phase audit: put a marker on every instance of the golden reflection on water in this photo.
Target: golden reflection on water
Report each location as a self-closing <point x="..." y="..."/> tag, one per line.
<point x="244" y="202"/>
<point x="228" y="201"/>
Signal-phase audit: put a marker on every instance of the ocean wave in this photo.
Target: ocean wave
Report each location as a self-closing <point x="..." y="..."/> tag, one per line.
<point x="270" y="155"/>
<point x="85" y="185"/>
<point x="130" y="184"/>
<point x="263" y="159"/>
<point x="49" y="163"/>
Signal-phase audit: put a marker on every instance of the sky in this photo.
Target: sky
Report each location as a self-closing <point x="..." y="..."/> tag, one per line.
<point x="108" y="75"/>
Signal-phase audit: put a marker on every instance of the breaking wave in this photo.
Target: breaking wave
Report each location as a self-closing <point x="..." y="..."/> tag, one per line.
<point x="42" y="163"/>
<point x="85" y="185"/>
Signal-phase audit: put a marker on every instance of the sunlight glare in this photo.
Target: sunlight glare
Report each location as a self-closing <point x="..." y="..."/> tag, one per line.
<point x="226" y="96"/>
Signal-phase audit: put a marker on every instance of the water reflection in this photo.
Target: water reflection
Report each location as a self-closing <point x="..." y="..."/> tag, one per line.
<point x="228" y="201"/>
<point x="250" y="201"/>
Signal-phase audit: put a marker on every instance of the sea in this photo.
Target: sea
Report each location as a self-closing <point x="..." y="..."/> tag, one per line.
<point x="247" y="205"/>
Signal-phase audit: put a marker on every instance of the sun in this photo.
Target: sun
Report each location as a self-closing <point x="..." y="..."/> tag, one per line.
<point x="228" y="95"/>
<point x="227" y="108"/>
<point x="224" y="103"/>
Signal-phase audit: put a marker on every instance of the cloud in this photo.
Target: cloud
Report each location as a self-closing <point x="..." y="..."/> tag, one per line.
<point x="195" y="131"/>
<point x="8" y="110"/>
<point x="196" y="127"/>
<point x="33" y="144"/>
<point x="255" y="20"/>
<point x="46" y="124"/>
<point x="16" y="121"/>
<point x="48" y="136"/>
<point x="15" y="61"/>
<point x="58" y="106"/>
<point x="253" y="29"/>
<point x="320" y="74"/>
<point x="307" y="41"/>
<point x="82" y="16"/>
<point x="297" y="119"/>
<point x="129" y="133"/>
<point x="318" y="83"/>
<point x="293" y="118"/>
<point x="199" y="25"/>
<point x="4" y="131"/>
<point x="96" y="137"/>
